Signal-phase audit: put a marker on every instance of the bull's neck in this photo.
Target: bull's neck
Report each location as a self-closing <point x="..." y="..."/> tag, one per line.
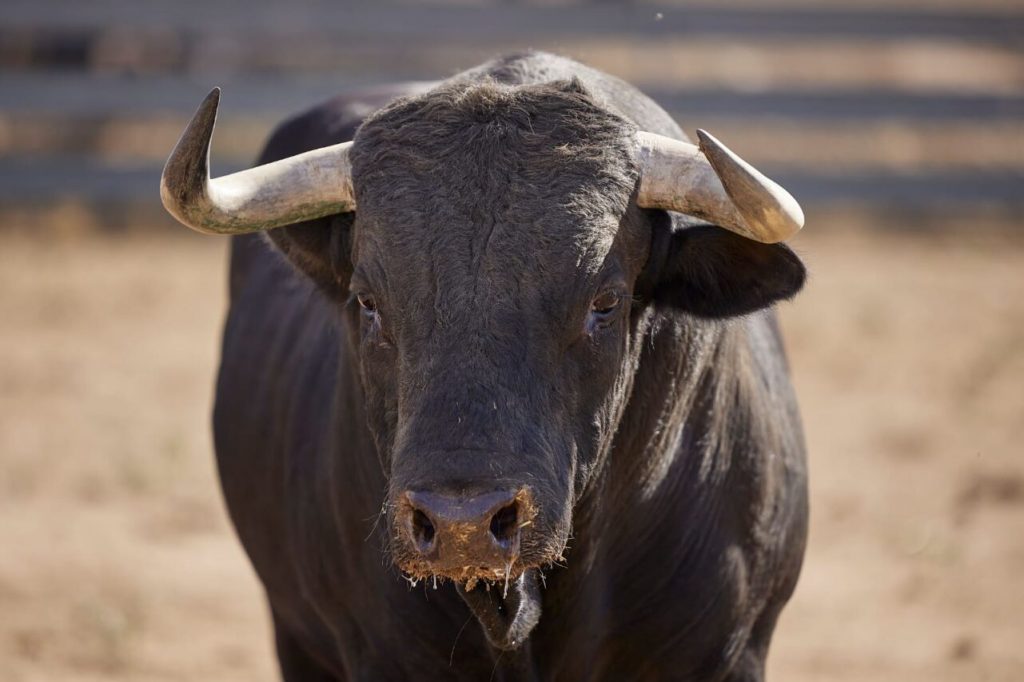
<point x="683" y="366"/>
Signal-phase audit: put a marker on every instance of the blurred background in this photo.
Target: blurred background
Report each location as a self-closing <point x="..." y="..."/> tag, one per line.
<point x="899" y="125"/>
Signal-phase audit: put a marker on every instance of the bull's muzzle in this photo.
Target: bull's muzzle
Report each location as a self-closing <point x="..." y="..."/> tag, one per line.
<point x="466" y="537"/>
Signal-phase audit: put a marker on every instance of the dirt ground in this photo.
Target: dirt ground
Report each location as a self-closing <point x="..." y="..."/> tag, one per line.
<point x="117" y="561"/>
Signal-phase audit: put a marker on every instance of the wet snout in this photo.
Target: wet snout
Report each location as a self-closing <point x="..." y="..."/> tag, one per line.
<point x="466" y="534"/>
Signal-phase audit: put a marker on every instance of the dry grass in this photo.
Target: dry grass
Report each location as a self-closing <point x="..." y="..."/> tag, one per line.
<point x="118" y="561"/>
<point x="909" y="360"/>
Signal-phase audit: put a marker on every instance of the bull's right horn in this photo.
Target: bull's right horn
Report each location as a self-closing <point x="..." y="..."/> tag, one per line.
<point x="711" y="182"/>
<point x="298" y="188"/>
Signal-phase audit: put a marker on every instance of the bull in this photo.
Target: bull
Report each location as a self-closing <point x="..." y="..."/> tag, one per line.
<point x="502" y="394"/>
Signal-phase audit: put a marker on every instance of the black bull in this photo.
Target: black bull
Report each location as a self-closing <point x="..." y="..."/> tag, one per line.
<point x="501" y="423"/>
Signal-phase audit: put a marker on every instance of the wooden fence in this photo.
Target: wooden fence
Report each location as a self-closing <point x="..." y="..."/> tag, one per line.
<point x="914" y="110"/>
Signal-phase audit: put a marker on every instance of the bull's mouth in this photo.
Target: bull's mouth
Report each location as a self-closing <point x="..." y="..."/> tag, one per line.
<point x="507" y="613"/>
<point x="492" y="546"/>
<point x="467" y="577"/>
<point x="506" y="602"/>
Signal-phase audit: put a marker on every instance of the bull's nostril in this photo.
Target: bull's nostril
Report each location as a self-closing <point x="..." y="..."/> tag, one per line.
<point x="423" y="531"/>
<point x="504" y="524"/>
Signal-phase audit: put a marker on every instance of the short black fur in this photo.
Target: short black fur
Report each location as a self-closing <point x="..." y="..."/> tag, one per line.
<point x="494" y="208"/>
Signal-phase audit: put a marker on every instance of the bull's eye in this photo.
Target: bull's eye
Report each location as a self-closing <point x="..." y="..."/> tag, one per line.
<point x="603" y="309"/>
<point x="606" y="303"/>
<point x="371" y="324"/>
<point x="368" y="307"/>
<point x="367" y="303"/>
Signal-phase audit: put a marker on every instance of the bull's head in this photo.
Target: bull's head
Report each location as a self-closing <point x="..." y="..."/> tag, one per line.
<point x="500" y="273"/>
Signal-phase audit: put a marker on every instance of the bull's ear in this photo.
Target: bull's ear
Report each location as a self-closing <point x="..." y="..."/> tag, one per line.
<point x="709" y="272"/>
<point x="318" y="248"/>
<point x="321" y="249"/>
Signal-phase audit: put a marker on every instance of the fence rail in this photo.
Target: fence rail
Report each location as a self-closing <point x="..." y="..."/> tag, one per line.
<point x="80" y="66"/>
<point x="429" y="22"/>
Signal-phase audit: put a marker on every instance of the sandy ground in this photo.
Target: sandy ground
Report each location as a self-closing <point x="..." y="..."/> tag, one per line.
<point x="117" y="561"/>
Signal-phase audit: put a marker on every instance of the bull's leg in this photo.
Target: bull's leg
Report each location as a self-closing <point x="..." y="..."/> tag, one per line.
<point x="297" y="665"/>
<point x="750" y="666"/>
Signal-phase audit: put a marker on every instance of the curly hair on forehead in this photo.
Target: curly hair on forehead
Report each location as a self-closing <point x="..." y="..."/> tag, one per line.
<point x="562" y="112"/>
<point x="554" y="136"/>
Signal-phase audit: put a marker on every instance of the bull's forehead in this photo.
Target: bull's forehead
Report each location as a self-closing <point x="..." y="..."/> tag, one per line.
<point x="478" y="220"/>
<point x="483" y="186"/>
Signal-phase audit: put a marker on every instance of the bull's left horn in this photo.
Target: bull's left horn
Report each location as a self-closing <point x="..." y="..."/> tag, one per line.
<point x="711" y="182"/>
<point x="302" y="187"/>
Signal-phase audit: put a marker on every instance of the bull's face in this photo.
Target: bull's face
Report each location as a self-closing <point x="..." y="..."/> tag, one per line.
<point x="500" y="279"/>
<point x="495" y="264"/>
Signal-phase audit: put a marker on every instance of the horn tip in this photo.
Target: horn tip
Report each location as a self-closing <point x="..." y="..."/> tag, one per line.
<point x="209" y="105"/>
<point x="707" y="141"/>
<point x="186" y="172"/>
<point x="748" y="187"/>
